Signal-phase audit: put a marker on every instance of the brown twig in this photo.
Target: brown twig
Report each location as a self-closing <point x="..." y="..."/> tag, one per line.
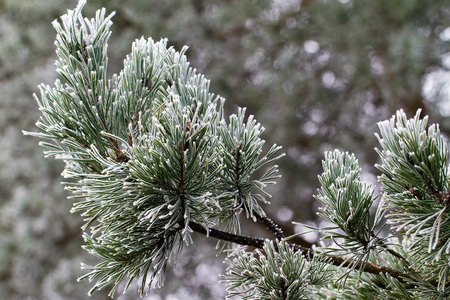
<point x="335" y="260"/>
<point x="271" y="225"/>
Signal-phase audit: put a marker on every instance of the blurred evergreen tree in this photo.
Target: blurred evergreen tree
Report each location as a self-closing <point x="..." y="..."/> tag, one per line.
<point x="318" y="74"/>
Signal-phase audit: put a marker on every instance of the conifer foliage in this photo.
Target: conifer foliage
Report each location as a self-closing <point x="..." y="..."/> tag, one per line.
<point x="148" y="152"/>
<point x="151" y="158"/>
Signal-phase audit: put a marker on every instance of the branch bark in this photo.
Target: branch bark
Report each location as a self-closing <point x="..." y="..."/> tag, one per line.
<point x="335" y="260"/>
<point x="228" y="237"/>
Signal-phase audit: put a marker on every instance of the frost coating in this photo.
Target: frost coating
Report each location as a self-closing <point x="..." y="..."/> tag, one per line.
<point x="147" y="151"/>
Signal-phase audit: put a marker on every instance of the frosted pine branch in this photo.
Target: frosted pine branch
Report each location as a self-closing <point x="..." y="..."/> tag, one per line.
<point x="151" y="157"/>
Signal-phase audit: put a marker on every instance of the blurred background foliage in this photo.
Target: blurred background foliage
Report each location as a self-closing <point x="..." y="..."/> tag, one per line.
<point x="318" y="74"/>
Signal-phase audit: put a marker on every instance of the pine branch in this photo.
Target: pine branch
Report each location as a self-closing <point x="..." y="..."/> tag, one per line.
<point x="366" y="267"/>
<point x="335" y="260"/>
<point x="289" y="231"/>
<point x="382" y="244"/>
<point x="271" y="225"/>
<point x="183" y="166"/>
<point x="228" y="237"/>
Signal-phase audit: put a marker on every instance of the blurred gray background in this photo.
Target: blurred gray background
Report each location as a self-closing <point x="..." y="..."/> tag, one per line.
<point x="318" y="74"/>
